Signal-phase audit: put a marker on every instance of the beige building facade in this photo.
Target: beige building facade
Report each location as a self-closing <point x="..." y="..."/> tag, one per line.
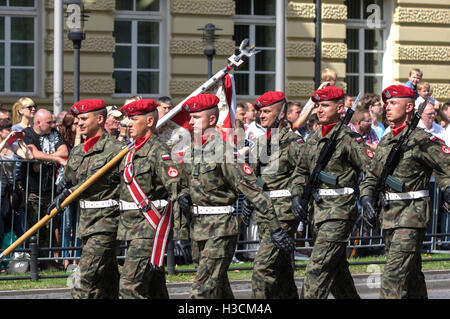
<point x="154" y="48"/>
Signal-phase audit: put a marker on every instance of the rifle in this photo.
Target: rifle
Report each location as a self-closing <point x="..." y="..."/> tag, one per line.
<point x="44" y="220"/>
<point x="325" y="155"/>
<point x="386" y="178"/>
<point x="234" y="62"/>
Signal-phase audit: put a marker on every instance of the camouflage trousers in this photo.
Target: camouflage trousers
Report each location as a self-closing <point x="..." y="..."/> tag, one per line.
<point x="273" y="271"/>
<point x="212" y="260"/>
<point x="98" y="268"/>
<point x="327" y="270"/>
<point x="139" y="280"/>
<point x="402" y="276"/>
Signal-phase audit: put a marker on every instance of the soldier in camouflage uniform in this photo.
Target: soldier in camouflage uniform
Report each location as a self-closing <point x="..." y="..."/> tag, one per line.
<point x="335" y="213"/>
<point x="99" y="210"/>
<point x="158" y="177"/>
<point x="273" y="271"/>
<point x="214" y="182"/>
<point x="405" y="219"/>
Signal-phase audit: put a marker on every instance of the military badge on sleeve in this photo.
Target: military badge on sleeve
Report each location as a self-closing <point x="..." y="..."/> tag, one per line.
<point x="172" y="172"/>
<point x="247" y="169"/>
<point x="369" y="153"/>
<point x="445" y="149"/>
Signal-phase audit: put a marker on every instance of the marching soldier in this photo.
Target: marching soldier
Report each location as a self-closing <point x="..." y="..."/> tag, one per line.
<point x="405" y="217"/>
<point x="149" y="186"/>
<point x="214" y="183"/>
<point x="273" y="271"/>
<point x="99" y="209"/>
<point x="334" y="207"/>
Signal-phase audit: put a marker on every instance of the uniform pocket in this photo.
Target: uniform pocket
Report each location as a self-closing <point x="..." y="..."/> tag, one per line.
<point x="211" y="176"/>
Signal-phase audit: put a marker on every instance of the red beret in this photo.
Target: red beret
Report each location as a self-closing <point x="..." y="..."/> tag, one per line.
<point x="269" y="98"/>
<point x="138" y="107"/>
<point x="328" y="94"/>
<point x="85" y="106"/>
<point x="201" y="102"/>
<point x="397" y="91"/>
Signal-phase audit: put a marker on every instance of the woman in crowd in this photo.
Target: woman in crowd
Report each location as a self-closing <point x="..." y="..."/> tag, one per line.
<point x="23" y="113"/>
<point x="71" y="134"/>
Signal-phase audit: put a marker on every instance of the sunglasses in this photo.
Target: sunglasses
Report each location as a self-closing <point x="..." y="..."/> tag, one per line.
<point x="30" y="107"/>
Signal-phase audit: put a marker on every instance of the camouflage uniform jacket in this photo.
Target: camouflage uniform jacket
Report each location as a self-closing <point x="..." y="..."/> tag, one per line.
<point x="217" y="182"/>
<point x="277" y="170"/>
<point x="80" y="167"/>
<point x="151" y="164"/>
<point x="424" y="155"/>
<point x="351" y="156"/>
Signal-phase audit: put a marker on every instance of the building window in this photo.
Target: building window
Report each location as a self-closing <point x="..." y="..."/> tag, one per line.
<point x="365" y="46"/>
<point x="255" y="20"/>
<point x="137" y="57"/>
<point x="18" y="47"/>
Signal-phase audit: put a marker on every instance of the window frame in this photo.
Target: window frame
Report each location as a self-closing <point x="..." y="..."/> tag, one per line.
<point x="22" y="12"/>
<point x="361" y="26"/>
<point x="145" y="16"/>
<point x="252" y="21"/>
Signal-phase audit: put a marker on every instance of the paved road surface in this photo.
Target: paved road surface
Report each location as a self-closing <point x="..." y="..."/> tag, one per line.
<point x="438" y="284"/>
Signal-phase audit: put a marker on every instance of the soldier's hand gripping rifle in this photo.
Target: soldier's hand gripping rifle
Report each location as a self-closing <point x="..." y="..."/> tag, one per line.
<point x="115" y="160"/>
<point x="326" y="152"/>
<point x="234" y="62"/>
<point x="386" y="178"/>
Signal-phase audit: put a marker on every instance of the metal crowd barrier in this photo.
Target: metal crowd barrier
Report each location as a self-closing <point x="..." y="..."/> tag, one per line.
<point x="362" y="241"/>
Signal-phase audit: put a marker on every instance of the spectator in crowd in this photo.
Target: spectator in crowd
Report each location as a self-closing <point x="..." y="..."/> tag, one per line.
<point x="23" y="112"/>
<point x="53" y="126"/>
<point x="250" y="116"/>
<point x="48" y="147"/>
<point x="293" y="111"/>
<point x="255" y="130"/>
<point x="241" y="113"/>
<point x="59" y="119"/>
<point x="4" y="114"/>
<point x="415" y="75"/>
<point x="361" y="123"/>
<point x="10" y="151"/>
<point x="429" y="125"/>
<point x="164" y="105"/>
<point x="70" y="132"/>
<point x="112" y="123"/>
<point x="372" y="102"/>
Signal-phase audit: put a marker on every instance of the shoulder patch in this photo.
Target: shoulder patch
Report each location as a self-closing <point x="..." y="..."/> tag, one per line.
<point x="165" y="156"/>
<point x="247" y="169"/>
<point x="300" y="140"/>
<point x="445" y="149"/>
<point x="172" y="172"/>
<point x="359" y="139"/>
<point x="369" y="153"/>
<point x="435" y="138"/>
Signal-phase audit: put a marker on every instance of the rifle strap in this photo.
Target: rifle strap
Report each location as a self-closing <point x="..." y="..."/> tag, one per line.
<point x="160" y="222"/>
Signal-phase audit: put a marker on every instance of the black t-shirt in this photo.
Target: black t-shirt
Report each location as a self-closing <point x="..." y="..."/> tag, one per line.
<point x="48" y="144"/>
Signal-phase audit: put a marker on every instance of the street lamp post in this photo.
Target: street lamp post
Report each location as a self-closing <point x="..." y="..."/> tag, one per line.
<point x="209" y="37"/>
<point x="75" y="24"/>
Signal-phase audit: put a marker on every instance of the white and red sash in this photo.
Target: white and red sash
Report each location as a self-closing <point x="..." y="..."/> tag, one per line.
<point x="160" y="222"/>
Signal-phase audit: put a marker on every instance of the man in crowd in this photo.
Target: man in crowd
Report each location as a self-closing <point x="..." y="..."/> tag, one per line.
<point x="164" y="106"/>
<point x="47" y="146"/>
<point x="273" y="271"/>
<point x="99" y="210"/>
<point x="154" y="179"/>
<point x="361" y="123"/>
<point x="241" y="113"/>
<point x="112" y="123"/>
<point x="4" y="114"/>
<point x="293" y="111"/>
<point x="427" y="122"/>
<point x="334" y="205"/>
<point x="405" y="217"/>
<point x="214" y="182"/>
